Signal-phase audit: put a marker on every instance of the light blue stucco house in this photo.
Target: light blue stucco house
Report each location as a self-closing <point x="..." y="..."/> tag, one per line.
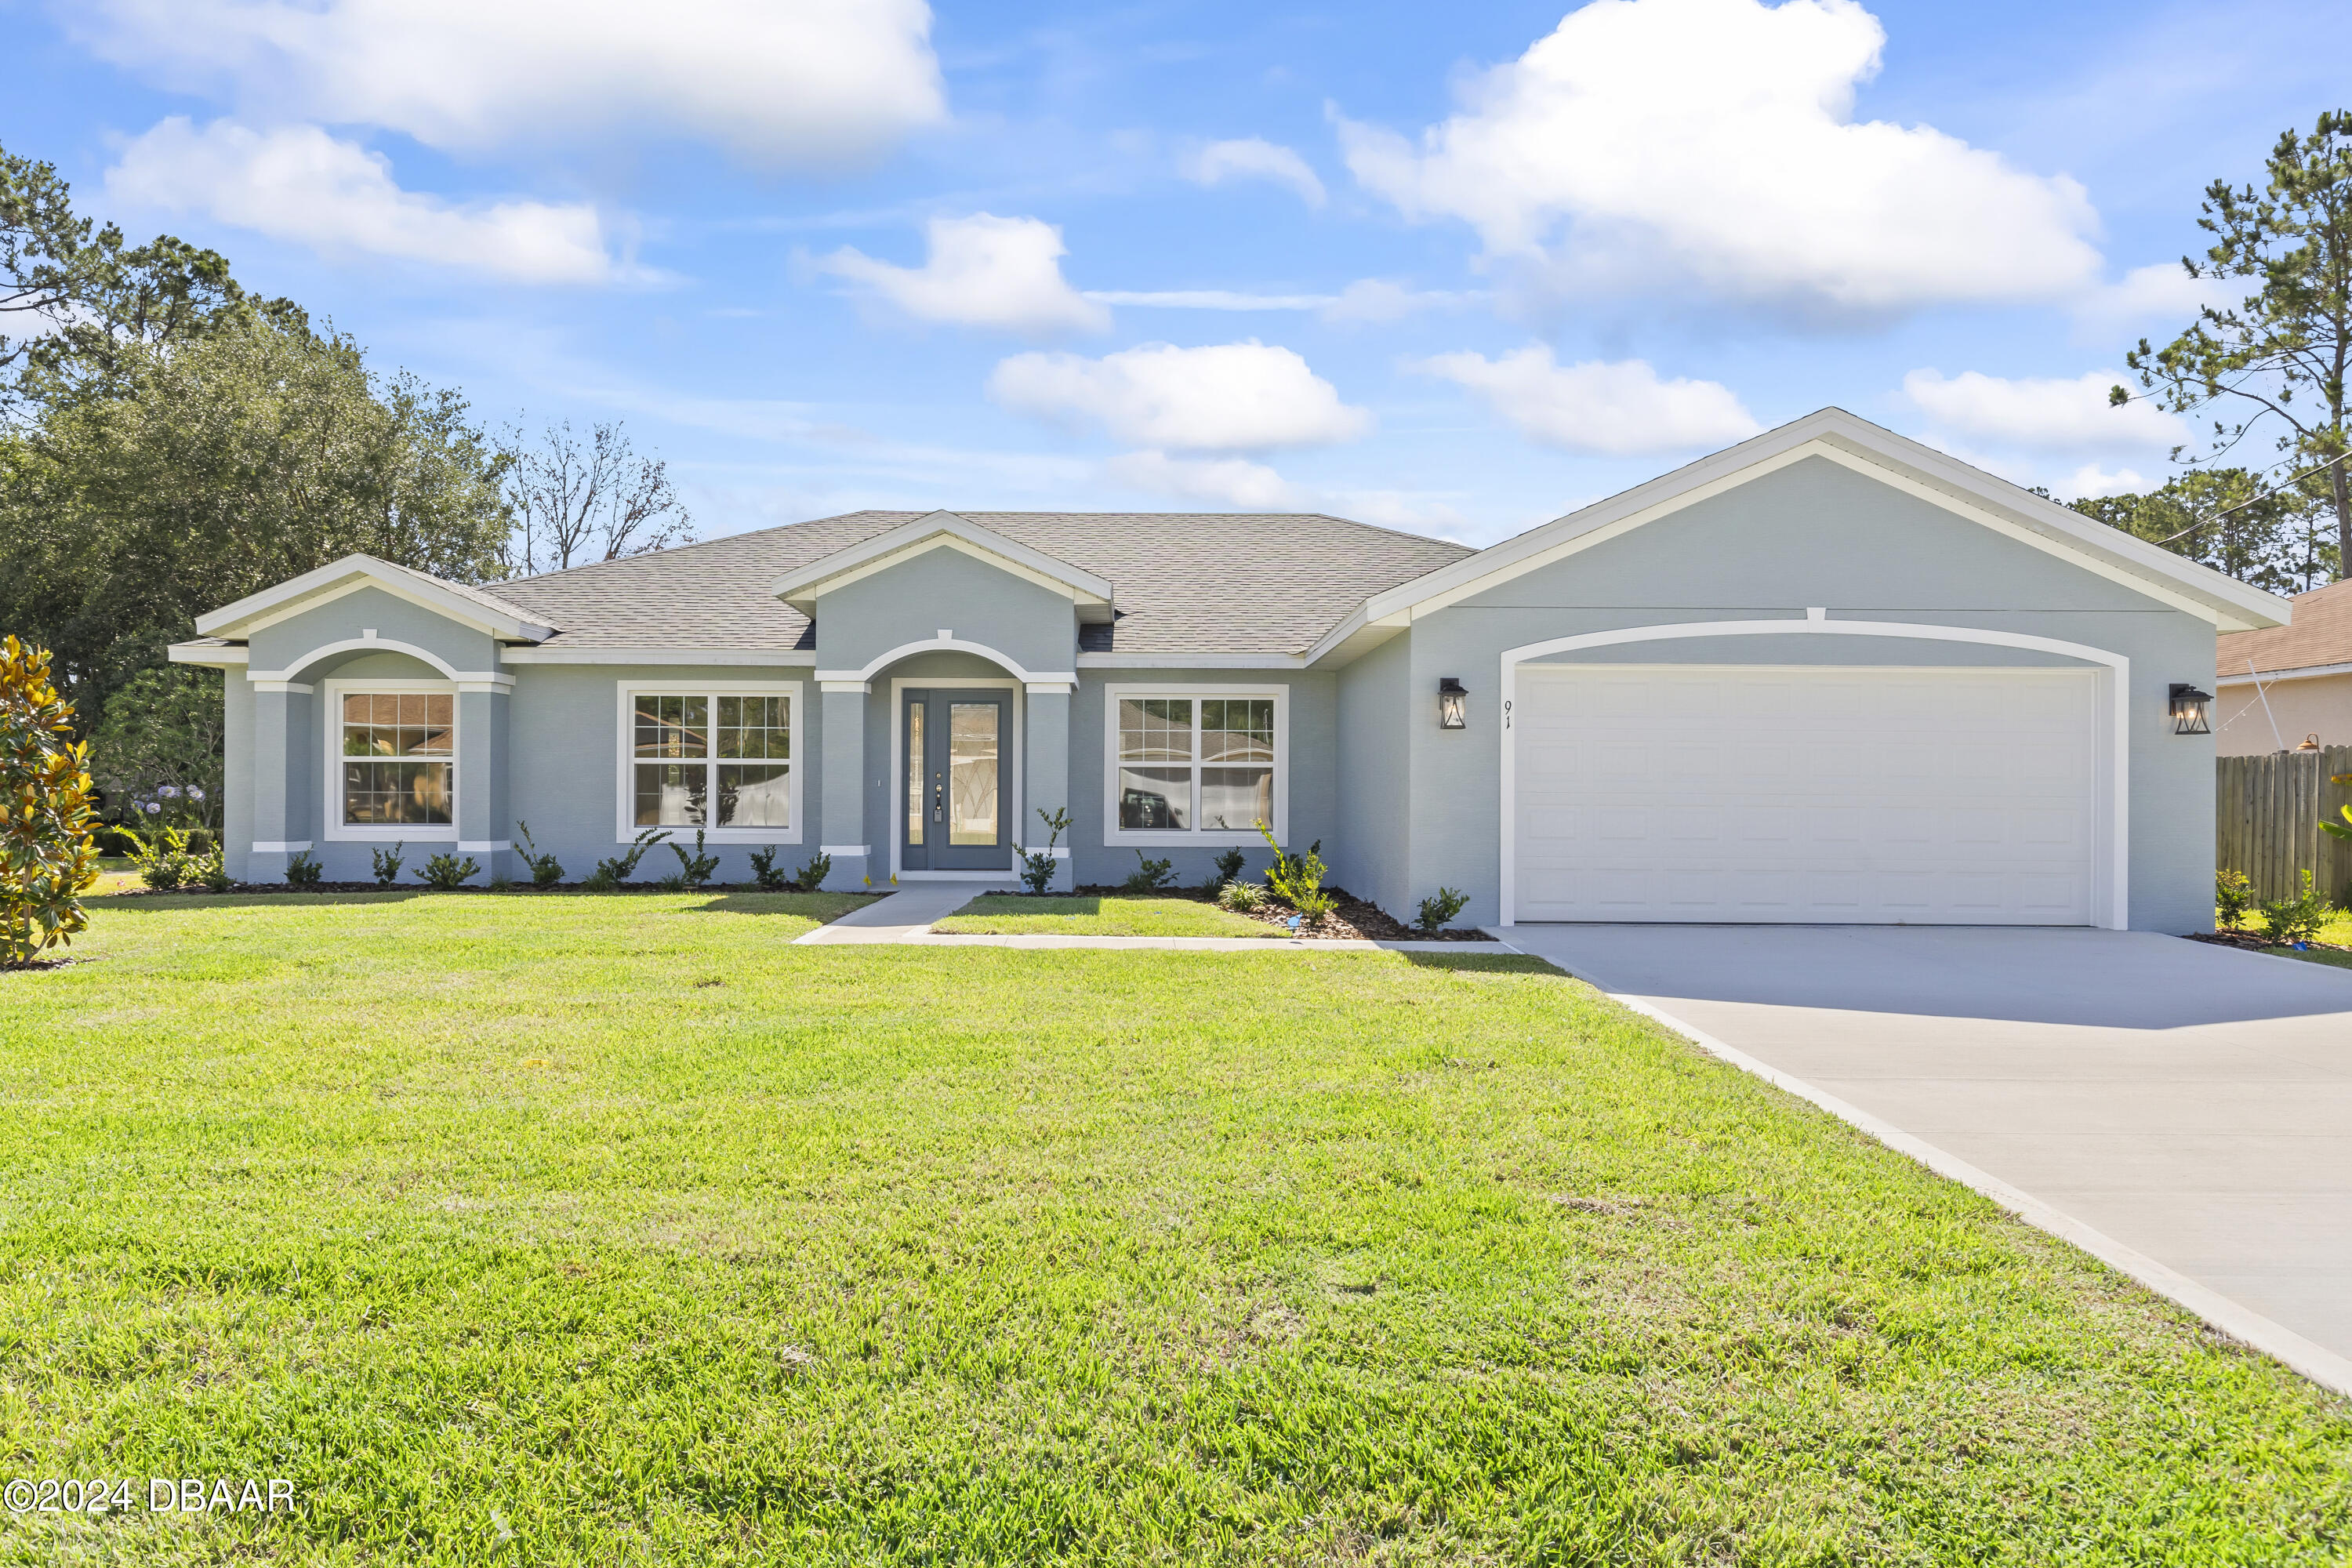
<point x="1828" y="674"/>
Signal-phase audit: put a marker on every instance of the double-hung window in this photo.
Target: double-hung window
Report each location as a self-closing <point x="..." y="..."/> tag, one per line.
<point x="717" y="756"/>
<point x="394" y="759"/>
<point x="1200" y="765"/>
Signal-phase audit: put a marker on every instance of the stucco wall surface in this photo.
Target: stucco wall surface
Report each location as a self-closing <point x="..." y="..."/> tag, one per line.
<point x="2245" y="724"/>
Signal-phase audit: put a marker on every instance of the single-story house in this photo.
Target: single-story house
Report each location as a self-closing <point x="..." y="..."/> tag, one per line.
<point x="2283" y="686"/>
<point x="1827" y="675"/>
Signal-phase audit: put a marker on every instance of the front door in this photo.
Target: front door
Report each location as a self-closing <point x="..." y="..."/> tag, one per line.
<point x="957" y="813"/>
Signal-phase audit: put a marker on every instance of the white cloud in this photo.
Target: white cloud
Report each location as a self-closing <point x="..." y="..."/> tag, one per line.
<point x="1619" y="409"/>
<point x="982" y="272"/>
<point x="1254" y="158"/>
<point x="2163" y="295"/>
<point x="807" y="82"/>
<point x="2042" y="414"/>
<point x="297" y="183"/>
<point x="2090" y="480"/>
<point x="1232" y="398"/>
<point x="1374" y="302"/>
<point x="1210" y="299"/>
<point x="1713" y="142"/>
<point x="1230" y="481"/>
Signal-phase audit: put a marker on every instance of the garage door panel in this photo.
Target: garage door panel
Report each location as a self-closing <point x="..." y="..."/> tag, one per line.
<point x="1724" y="794"/>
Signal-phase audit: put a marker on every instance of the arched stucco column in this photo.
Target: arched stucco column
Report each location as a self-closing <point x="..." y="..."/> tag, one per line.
<point x="841" y="786"/>
<point x="285" y="785"/>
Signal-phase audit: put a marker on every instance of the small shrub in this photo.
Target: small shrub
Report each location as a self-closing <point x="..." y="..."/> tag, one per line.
<point x="1149" y="876"/>
<point x="1240" y="897"/>
<point x="445" y="873"/>
<point x="611" y="873"/>
<point x="302" y="871"/>
<point x="1438" y="911"/>
<point x="1037" y="868"/>
<point x="502" y="883"/>
<point x="546" y="870"/>
<point x="165" y="861"/>
<point x="694" y="869"/>
<point x="812" y="876"/>
<point x="2234" y="896"/>
<point x="672" y="883"/>
<point x="2287" y="921"/>
<point x="387" y="864"/>
<point x="764" y="872"/>
<point x="212" y="872"/>
<point x="1297" y="879"/>
<point x="46" y="857"/>
<point x="1229" y="868"/>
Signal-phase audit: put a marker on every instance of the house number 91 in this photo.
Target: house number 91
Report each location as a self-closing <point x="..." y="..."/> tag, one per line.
<point x="1506" y="715"/>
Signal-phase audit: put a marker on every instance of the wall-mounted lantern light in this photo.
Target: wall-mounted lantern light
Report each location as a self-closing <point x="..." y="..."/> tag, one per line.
<point x="2189" y="710"/>
<point x="1453" y="704"/>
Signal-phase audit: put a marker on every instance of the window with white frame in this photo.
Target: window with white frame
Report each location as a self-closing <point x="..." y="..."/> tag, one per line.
<point x="397" y="755"/>
<point x="1203" y="763"/>
<point x="717" y="758"/>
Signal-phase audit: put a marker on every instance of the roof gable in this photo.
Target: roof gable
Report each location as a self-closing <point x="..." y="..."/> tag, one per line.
<point x="801" y="586"/>
<point x="1855" y="442"/>
<point x="2318" y="637"/>
<point x="467" y="607"/>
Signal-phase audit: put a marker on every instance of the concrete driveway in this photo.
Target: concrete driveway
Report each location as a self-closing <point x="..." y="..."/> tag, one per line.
<point x="2183" y="1111"/>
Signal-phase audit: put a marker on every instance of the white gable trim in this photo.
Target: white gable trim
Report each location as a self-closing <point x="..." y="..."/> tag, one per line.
<point x="297" y="595"/>
<point x="1862" y="447"/>
<point x="801" y="586"/>
<point x="945" y="643"/>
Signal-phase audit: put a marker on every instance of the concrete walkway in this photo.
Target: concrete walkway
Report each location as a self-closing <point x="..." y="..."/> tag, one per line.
<point x="909" y="912"/>
<point x="2182" y="1111"/>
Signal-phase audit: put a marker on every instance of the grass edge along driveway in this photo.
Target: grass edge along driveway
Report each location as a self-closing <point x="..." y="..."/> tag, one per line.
<point x="579" y="1229"/>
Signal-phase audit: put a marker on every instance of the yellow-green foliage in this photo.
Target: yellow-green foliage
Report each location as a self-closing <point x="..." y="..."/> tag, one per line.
<point x="47" y="857"/>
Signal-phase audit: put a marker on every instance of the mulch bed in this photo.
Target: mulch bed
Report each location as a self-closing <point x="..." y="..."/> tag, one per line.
<point x="1351" y="919"/>
<point x="2247" y="942"/>
<point x="525" y="887"/>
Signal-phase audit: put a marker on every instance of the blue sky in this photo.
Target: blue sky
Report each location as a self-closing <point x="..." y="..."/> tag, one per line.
<point x="1451" y="269"/>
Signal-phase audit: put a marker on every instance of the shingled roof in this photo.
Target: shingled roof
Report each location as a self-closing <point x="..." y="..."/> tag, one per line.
<point x="1185" y="582"/>
<point x="2320" y="633"/>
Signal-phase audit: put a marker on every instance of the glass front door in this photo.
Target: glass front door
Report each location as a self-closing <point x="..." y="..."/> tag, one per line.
<point x="957" y="811"/>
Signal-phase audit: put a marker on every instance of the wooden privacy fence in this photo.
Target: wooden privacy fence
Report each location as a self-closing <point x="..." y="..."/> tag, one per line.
<point x="2267" y="811"/>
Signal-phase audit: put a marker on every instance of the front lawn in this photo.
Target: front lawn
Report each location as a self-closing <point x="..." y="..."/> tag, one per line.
<point x="1012" y="914"/>
<point x="603" y="1230"/>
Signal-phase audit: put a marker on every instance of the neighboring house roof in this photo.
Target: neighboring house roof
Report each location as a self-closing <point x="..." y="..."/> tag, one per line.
<point x="2320" y="633"/>
<point x="1184" y="582"/>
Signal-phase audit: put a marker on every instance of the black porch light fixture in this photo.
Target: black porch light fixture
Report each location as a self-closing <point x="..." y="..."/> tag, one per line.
<point x="2189" y="710"/>
<point x="1453" y="704"/>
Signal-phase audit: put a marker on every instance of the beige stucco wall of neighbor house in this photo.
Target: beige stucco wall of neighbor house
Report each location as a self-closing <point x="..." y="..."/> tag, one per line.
<point x="2317" y="704"/>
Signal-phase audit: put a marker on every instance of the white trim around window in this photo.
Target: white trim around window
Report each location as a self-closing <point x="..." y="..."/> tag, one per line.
<point x="330" y="724"/>
<point x="1116" y="837"/>
<point x="626" y="692"/>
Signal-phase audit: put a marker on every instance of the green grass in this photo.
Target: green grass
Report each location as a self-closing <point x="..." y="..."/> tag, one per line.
<point x="2338" y="931"/>
<point x="616" y="1230"/>
<point x="1003" y="914"/>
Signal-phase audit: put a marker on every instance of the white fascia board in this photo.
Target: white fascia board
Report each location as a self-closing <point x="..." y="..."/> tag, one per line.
<point x="349" y="575"/>
<point x="803" y="583"/>
<point x="1359" y="631"/>
<point x="1880" y="454"/>
<point x="1191" y="661"/>
<point x="217" y="656"/>
<point x="2272" y="677"/>
<point x="766" y="659"/>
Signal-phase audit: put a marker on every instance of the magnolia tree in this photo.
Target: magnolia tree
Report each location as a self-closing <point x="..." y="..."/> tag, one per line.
<point x="47" y="857"/>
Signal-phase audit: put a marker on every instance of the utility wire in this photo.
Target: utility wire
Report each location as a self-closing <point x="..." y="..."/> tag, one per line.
<point x="2291" y="478"/>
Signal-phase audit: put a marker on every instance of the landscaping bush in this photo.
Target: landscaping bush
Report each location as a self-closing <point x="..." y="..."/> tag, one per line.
<point x="387" y="864"/>
<point x="445" y="873"/>
<point x="2234" y="896"/>
<point x="2288" y="920"/>
<point x="694" y="869"/>
<point x="1297" y="879"/>
<point x="1228" y="868"/>
<point x="546" y="870"/>
<point x="812" y="876"/>
<point x="46" y="856"/>
<point x="611" y="873"/>
<point x="1240" y="897"/>
<point x="764" y="870"/>
<point x="1437" y="912"/>
<point x="302" y="871"/>
<point x="1149" y="876"/>
<point x="1037" y="869"/>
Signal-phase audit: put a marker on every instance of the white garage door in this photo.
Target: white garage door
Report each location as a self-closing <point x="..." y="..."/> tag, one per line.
<point x="1738" y="792"/>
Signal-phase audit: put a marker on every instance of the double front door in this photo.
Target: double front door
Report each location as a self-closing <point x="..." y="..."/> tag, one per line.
<point x="957" y="813"/>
